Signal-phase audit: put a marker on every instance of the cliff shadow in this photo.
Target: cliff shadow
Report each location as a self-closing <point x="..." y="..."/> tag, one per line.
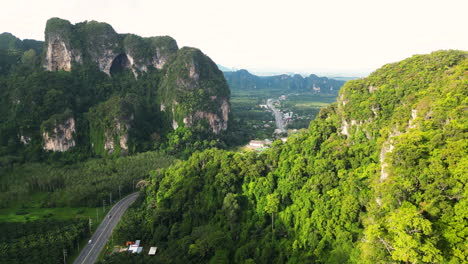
<point x="120" y="64"/>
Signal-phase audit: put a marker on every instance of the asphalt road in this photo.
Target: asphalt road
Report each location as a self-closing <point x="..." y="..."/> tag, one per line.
<point x="90" y="252"/>
<point x="278" y="115"/>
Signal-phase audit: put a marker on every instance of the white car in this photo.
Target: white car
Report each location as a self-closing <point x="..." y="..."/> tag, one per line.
<point x="90" y="241"/>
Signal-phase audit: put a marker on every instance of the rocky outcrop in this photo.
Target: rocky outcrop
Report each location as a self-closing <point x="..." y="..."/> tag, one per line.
<point x="175" y="125"/>
<point x="59" y="51"/>
<point x="346" y="126"/>
<point x="372" y="88"/>
<point x="225" y="113"/>
<point x="160" y="59"/>
<point x="121" y="132"/>
<point x="218" y="122"/>
<point x="59" y="56"/>
<point x="411" y="122"/>
<point x="110" y="51"/>
<point x="163" y="49"/>
<point x="61" y="137"/>
<point x="200" y="88"/>
<point x="25" y="139"/>
<point x="110" y="124"/>
<point x="187" y="76"/>
<point x="387" y="147"/>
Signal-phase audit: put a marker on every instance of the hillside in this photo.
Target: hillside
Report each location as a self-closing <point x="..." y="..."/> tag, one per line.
<point x="88" y="90"/>
<point x="379" y="177"/>
<point x="244" y="80"/>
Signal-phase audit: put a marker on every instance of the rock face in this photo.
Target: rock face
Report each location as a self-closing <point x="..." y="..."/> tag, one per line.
<point x="61" y="137"/>
<point x="121" y="132"/>
<point x="396" y="114"/>
<point x="194" y="80"/>
<point x="110" y="124"/>
<point x="189" y="90"/>
<point x="218" y="122"/>
<point x="59" y="51"/>
<point x="98" y="43"/>
<point x="58" y="56"/>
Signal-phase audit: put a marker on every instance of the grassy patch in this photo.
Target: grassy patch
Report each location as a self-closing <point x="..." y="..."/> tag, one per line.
<point x="18" y="214"/>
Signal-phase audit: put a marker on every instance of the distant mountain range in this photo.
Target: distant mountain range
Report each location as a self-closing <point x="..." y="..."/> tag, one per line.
<point x="244" y="80"/>
<point x="335" y="76"/>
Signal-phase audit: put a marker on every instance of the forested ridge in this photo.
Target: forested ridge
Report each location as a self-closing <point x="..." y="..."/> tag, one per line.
<point x="77" y="96"/>
<point x="244" y="80"/>
<point x="379" y="177"/>
<point x="84" y="117"/>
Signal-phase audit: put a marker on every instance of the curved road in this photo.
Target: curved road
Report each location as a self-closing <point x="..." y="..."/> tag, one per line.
<point x="90" y="252"/>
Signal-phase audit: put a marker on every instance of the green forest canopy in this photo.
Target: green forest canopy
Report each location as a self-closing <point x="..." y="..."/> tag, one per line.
<point x="325" y="195"/>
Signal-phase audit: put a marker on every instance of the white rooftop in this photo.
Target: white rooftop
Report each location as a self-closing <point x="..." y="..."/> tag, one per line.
<point x="152" y="251"/>
<point x="135" y="249"/>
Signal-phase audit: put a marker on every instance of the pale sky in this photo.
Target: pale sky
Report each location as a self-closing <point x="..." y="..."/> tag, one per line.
<point x="328" y="36"/>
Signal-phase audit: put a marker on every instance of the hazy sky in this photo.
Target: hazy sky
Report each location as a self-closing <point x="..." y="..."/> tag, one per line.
<point x="327" y="36"/>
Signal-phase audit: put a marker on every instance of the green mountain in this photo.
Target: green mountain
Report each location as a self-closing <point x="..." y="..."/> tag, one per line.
<point x="379" y="177"/>
<point x="88" y="89"/>
<point x="12" y="50"/>
<point x="244" y="80"/>
<point x="10" y="43"/>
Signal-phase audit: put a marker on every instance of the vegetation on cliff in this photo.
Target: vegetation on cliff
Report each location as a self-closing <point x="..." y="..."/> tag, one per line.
<point x="105" y="73"/>
<point x="379" y="177"/>
<point x="192" y="83"/>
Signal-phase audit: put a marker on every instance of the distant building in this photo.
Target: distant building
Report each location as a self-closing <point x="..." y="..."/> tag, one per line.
<point x="135" y="248"/>
<point x="256" y="143"/>
<point x="288" y="115"/>
<point x="152" y="251"/>
<point x="259" y="145"/>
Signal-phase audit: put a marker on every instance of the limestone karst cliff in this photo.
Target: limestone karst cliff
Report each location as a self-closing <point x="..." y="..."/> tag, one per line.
<point x="96" y="42"/>
<point x="194" y="89"/>
<point x="125" y="91"/>
<point x="110" y="123"/>
<point x="58" y="132"/>
<point x="191" y="85"/>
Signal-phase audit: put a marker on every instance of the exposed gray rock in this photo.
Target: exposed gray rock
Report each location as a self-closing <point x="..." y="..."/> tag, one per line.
<point x="120" y="132"/>
<point x="25" y="139"/>
<point x="104" y="47"/>
<point x="61" y="137"/>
